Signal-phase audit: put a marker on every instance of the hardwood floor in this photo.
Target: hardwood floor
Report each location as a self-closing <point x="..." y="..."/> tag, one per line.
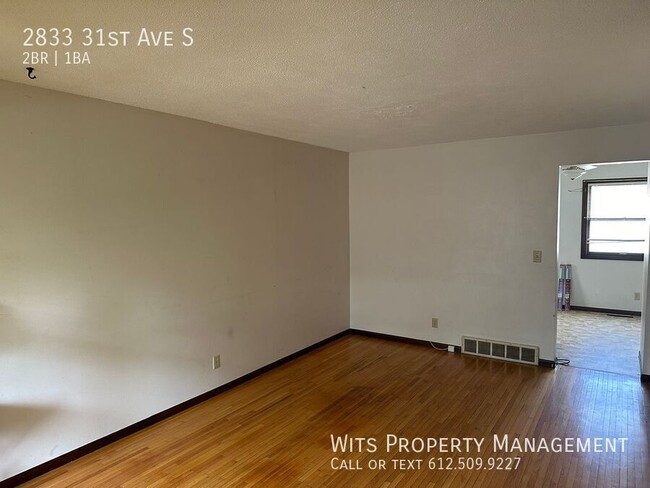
<point x="275" y="430"/>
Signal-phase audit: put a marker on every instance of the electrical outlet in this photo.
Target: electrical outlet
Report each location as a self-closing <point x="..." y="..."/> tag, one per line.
<point x="216" y="361"/>
<point x="450" y="348"/>
<point x="637" y="295"/>
<point x="434" y="323"/>
<point x="537" y="256"/>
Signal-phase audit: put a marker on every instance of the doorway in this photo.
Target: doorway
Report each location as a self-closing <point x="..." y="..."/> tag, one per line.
<point x="601" y="241"/>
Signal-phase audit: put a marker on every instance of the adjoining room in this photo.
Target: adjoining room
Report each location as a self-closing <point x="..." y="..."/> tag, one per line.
<point x="602" y="236"/>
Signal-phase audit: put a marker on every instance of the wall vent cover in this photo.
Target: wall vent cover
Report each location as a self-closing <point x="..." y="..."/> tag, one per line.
<point x="500" y="350"/>
<point x="469" y="346"/>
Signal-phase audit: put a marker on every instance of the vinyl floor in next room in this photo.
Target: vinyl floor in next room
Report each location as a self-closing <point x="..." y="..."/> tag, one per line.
<point x="599" y="341"/>
<point x="275" y="430"/>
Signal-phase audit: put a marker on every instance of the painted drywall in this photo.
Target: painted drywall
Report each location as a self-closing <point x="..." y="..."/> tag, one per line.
<point x="135" y="246"/>
<point x="596" y="282"/>
<point x="644" y="354"/>
<point x="448" y="231"/>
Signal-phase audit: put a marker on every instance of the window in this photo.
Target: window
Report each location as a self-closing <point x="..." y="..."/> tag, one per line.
<point x="613" y="219"/>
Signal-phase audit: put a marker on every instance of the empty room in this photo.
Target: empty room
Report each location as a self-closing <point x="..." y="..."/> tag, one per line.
<point x="364" y="243"/>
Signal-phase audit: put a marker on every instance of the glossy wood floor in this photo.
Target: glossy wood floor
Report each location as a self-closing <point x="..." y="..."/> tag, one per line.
<point x="275" y="430"/>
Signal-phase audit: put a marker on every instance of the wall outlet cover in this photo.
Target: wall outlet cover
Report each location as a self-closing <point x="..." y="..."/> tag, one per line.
<point x="450" y="348"/>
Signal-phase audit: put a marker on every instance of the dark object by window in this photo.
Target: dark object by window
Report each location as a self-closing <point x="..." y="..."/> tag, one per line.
<point x="613" y="219"/>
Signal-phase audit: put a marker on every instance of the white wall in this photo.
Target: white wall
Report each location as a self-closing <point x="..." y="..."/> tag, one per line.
<point x="644" y="354"/>
<point x="448" y="231"/>
<point x="135" y="246"/>
<point x="596" y="282"/>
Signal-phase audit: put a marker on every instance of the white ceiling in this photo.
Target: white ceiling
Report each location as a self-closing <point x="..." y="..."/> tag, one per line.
<point x="360" y="74"/>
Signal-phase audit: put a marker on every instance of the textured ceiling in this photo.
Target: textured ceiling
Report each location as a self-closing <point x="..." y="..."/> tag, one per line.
<point x="356" y="75"/>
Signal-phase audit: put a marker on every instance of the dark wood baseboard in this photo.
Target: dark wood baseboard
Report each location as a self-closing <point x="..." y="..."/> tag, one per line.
<point x="68" y="457"/>
<point x="544" y="363"/>
<point x="408" y="340"/>
<point x="605" y="310"/>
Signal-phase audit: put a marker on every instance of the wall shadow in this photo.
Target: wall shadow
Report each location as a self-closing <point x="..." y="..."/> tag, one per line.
<point x="17" y="421"/>
<point x="13" y="333"/>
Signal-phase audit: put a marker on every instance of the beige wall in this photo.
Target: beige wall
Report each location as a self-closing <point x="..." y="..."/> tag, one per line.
<point x="136" y="245"/>
<point x="448" y="231"/>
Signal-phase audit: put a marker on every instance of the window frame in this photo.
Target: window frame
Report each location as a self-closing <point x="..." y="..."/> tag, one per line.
<point x="584" y="250"/>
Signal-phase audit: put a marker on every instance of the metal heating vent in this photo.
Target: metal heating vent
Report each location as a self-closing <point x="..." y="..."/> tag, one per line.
<point x="501" y="350"/>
